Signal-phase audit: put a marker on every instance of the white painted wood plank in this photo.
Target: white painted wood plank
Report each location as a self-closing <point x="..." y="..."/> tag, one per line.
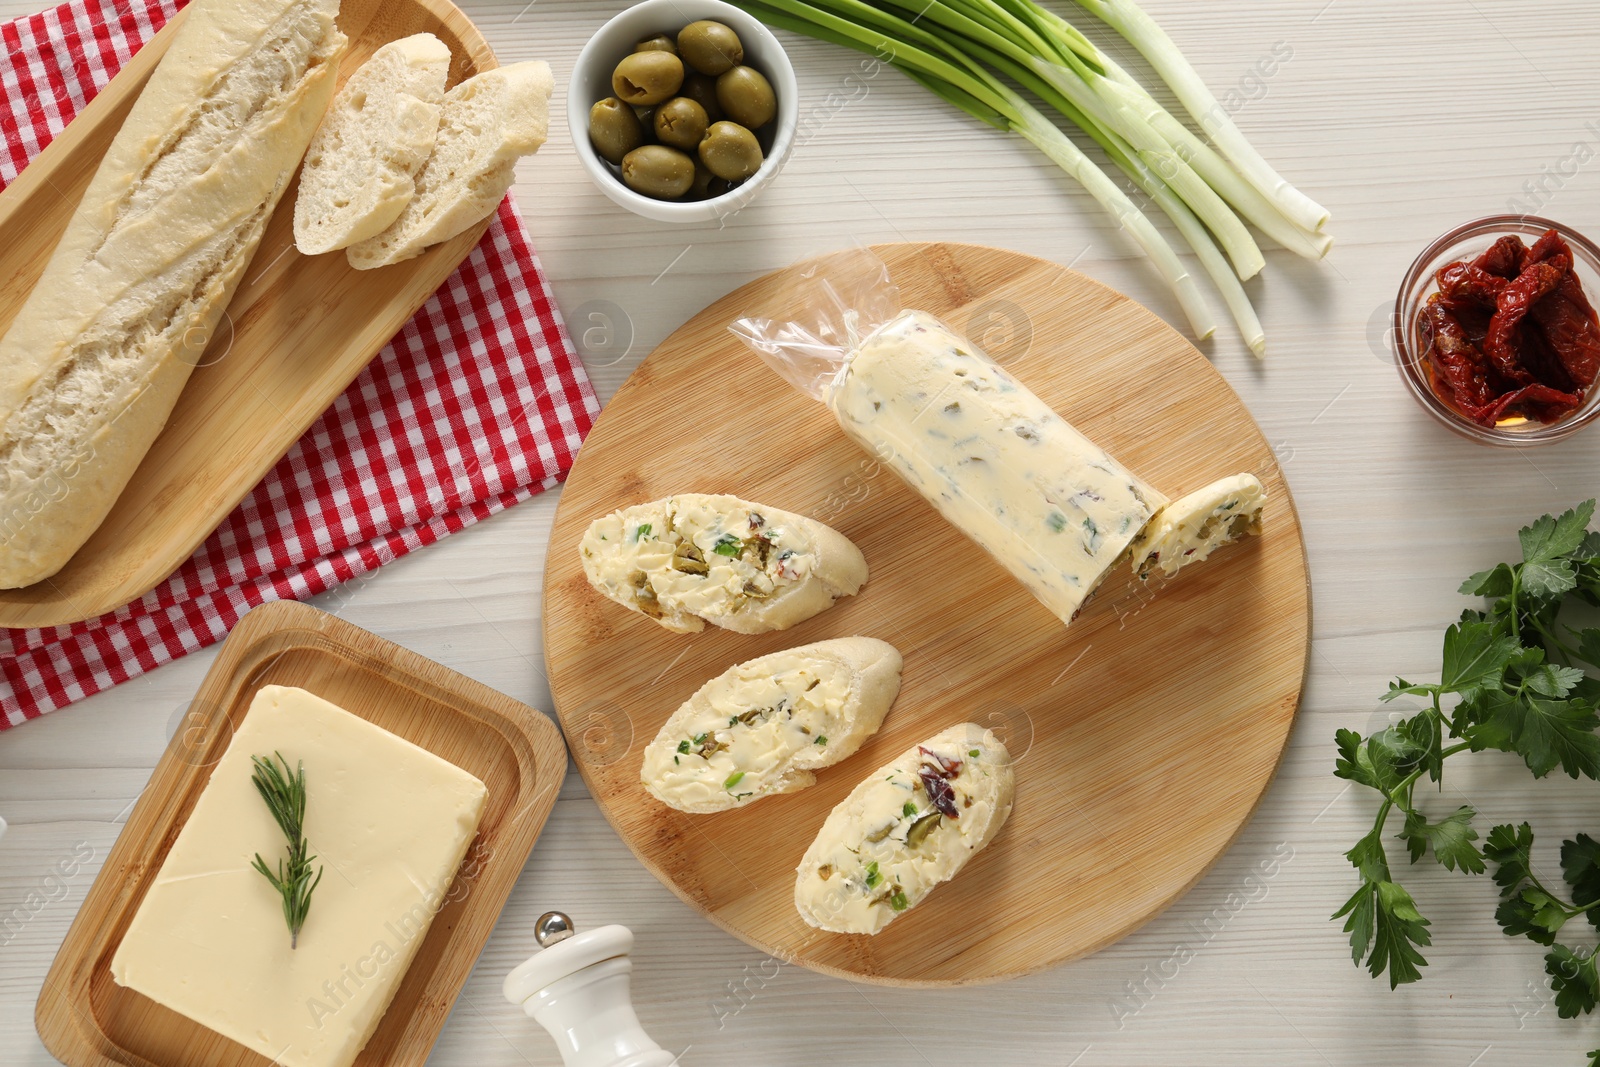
<point x="1404" y="119"/>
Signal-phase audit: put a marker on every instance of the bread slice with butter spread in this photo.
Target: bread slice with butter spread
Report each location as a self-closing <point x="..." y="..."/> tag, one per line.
<point x="907" y="828"/>
<point x="487" y="123"/>
<point x="695" y="558"/>
<point x="359" y="173"/>
<point x="763" y="726"/>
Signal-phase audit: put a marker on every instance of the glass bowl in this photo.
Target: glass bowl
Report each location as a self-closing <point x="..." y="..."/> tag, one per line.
<point x="1466" y="242"/>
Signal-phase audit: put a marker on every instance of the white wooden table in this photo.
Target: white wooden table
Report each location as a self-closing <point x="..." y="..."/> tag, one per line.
<point x="1404" y="119"/>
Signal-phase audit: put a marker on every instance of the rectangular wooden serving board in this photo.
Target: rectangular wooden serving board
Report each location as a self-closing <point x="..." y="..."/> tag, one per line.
<point x="297" y="332"/>
<point x="86" y="1020"/>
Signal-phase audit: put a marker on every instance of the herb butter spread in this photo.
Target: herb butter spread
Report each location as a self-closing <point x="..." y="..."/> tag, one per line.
<point x="763" y="726"/>
<point x="692" y="559"/>
<point x="1046" y="502"/>
<point x="910" y="826"/>
<point x="1191" y="528"/>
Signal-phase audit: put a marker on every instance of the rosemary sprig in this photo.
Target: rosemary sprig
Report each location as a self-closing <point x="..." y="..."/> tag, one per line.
<point x="285" y="793"/>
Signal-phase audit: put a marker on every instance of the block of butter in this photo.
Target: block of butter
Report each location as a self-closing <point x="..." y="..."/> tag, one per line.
<point x="1048" y="504"/>
<point x="389" y="823"/>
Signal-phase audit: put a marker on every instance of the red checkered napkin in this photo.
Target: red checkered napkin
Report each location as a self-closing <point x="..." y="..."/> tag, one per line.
<point x="477" y="403"/>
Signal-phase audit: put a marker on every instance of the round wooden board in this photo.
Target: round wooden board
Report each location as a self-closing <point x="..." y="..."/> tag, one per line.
<point x="1144" y="735"/>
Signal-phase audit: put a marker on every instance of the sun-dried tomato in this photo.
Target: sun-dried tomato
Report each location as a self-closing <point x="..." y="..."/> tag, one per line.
<point x="1537" y="402"/>
<point x="1457" y="362"/>
<point x="939" y="792"/>
<point x="1567" y="322"/>
<point x="1512" y="334"/>
<point x="1505" y="258"/>
<point x="1540" y="357"/>
<point x="1512" y="305"/>
<point x="949" y="767"/>
<point x="1549" y="245"/>
<point x="1464" y="283"/>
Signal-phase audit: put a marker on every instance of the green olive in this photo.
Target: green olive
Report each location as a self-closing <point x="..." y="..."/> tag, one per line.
<point x="614" y="129"/>
<point x="746" y="97"/>
<point x="730" y="151"/>
<point x="659" y="43"/>
<point x="658" y="171"/>
<point x="700" y="188"/>
<point x="680" y="122"/>
<point x="702" y="89"/>
<point x="710" y="47"/>
<point x="647" y="78"/>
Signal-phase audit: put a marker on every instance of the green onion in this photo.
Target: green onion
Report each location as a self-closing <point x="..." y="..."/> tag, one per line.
<point x="1141" y="31"/>
<point x="960" y="49"/>
<point x="983" y="96"/>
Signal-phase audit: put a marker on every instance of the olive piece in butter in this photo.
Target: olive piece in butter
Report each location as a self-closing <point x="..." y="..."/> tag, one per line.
<point x="730" y="151"/>
<point x="647" y="78"/>
<point x="614" y="129"/>
<point x="681" y="123"/>
<point x="658" y="171"/>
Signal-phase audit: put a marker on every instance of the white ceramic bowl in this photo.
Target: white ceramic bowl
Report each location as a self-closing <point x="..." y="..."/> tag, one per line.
<point x="591" y="82"/>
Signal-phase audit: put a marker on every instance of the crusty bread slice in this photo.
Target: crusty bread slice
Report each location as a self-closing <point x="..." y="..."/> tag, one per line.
<point x="696" y="558"/>
<point x="487" y="123"/>
<point x="95" y="358"/>
<point x="766" y="724"/>
<point x="359" y="173"/>
<point x="908" y="827"/>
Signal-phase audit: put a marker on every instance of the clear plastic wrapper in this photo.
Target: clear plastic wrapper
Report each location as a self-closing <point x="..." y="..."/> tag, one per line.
<point x="1047" y="503"/>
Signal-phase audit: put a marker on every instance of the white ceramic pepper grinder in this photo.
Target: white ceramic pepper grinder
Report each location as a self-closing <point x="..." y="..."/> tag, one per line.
<point x="577" y="988"/>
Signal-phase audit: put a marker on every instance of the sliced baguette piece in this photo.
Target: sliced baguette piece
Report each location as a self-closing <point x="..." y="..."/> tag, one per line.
<point x="1192" y="527"/>
<point x="908" y="827"/>
<point x="94" y="360"/>
<point x="487" y="122"/>
<point x="763" y="726"/>
<point x="360" y="170"/>
<point x="692" y="559"/>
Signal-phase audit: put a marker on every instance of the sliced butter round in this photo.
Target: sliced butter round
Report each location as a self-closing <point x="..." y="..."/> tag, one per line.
<point x="1191" y="528"/>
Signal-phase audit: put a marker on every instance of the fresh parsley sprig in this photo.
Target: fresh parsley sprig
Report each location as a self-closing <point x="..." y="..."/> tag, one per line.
<point x="1513" y="679"/>
<point x="1529" y="909"/>
<point x="285" y="794"/>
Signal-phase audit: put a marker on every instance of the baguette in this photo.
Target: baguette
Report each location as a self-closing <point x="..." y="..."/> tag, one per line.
<point x="94" y="361"/>
<point x="763" y="726"/>
<point x="360" y="171"/>
<point x="692" y="559"/>
<point x="487" y="122"/>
